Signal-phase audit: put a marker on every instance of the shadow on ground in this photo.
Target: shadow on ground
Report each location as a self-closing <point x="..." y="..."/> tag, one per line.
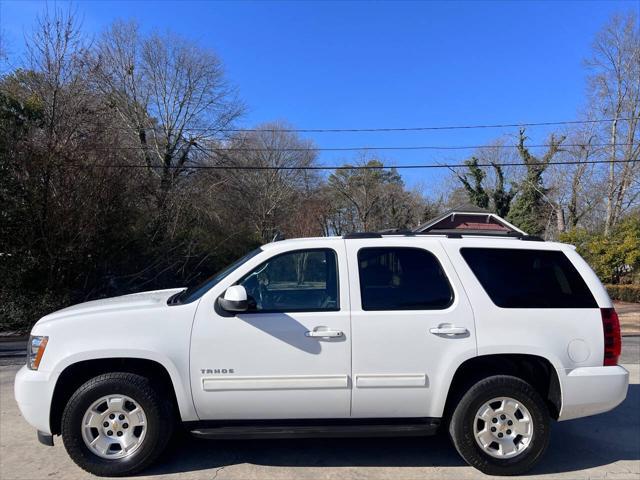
<point x="575" y="445"/>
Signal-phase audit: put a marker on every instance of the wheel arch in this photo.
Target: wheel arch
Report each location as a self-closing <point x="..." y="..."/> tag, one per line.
<point x="77" y="373"/>
<point x="534" y="369"/>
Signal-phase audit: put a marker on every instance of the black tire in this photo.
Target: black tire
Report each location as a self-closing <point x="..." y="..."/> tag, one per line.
<point x="160" y="423"/>
<point x="461" y="426"/>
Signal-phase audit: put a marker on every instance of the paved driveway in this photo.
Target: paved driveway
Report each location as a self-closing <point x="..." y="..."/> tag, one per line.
<point x="603" y="446"/>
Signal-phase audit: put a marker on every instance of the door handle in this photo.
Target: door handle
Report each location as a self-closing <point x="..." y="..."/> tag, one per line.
<point x="449" y="330"/>
<point x="321" y="332"/>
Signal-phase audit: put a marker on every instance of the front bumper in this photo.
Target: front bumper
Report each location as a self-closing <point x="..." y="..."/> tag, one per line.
<point x="592" y="390"/>
<point x="45" y="439"/>
<point x="33" y="391"/>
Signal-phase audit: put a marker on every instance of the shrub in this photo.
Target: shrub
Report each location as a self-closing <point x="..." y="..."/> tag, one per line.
<point x="20" y="310"/>
<point x="624" y="293"/>
<point x="616" y="258"/>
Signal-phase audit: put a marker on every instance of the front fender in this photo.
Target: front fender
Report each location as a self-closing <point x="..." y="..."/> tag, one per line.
<point x="180" y="383"/>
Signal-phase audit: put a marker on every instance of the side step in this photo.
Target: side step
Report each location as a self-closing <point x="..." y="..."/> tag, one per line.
<point x="318" y="429"/>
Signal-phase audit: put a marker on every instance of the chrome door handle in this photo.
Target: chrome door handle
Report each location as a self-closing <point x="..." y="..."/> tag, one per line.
<point x="318" y="333"/>
<point x="449" y="330"/>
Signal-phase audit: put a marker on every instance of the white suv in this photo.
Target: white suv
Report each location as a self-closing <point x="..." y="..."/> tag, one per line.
<point x="486" y="338"/>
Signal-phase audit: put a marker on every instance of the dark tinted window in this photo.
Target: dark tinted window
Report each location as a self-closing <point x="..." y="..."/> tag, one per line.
<point x="402" y="279"/>
<point x="516" y="278"/>
<point x="303" y="280"/>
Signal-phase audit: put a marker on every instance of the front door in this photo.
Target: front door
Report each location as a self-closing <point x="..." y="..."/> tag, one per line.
<point x="289" y="356"/>
<point x="411" y="324"/>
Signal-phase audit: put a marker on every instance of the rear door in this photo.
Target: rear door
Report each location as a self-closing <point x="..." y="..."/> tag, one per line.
<point x="412" y="325"/>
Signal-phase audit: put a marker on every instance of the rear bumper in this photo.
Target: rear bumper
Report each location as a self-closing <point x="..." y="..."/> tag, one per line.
<point x="33" y="391"/>
<point x="592" y="390"/>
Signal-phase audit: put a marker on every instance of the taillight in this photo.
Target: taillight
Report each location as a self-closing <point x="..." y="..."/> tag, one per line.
<point x="612" y="340"/>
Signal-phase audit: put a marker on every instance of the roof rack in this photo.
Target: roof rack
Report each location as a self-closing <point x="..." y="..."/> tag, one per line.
<point x="362" y="235"/>
<point x="532" y="238"/>
<point x="441" y="233"/>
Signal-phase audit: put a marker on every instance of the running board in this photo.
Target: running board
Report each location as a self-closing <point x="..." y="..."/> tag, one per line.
<point x="315" y="429"/>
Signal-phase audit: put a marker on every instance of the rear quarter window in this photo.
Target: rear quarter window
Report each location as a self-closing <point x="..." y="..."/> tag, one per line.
<point x="519" y="278"/>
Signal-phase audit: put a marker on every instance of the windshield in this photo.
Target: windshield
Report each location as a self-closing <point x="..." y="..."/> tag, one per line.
<point x="195" y="292"/>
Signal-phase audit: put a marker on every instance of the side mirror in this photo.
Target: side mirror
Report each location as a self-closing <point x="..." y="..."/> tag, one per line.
<point x="234" y="299"/>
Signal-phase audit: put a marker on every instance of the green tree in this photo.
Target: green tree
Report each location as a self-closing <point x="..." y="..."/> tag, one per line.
<point x="531" y="207"/>
<point x="472" y="183"/>
<point x="371" y="198"/>
<point x="614" y="257"/>
<point x="498" y="198"/>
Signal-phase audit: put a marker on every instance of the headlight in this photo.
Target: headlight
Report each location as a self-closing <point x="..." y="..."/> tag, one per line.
<point x="35" y="350"/>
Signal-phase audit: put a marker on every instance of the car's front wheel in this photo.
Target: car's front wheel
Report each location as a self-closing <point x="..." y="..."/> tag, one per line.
<point x="116" y="424"/>
<point x="501" y="426"/>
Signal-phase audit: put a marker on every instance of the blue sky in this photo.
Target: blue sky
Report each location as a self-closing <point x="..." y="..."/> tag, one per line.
<point x="379" y="64"/>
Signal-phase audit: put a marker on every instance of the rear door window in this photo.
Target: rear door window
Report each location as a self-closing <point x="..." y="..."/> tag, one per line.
<point x="515" y="278"/>
<point x="402" y="279"/>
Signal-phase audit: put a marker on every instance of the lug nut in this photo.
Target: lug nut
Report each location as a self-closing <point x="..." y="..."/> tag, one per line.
<point x="109" y="433"/>
<point x="509" y="423"/>
<point x="508" y="432"/>
<point x="125" y="425"/>
<point x="112" y="416"/>
<point x="502" y="417"/>
<point x="500" y="435"/>
<point x="105" y="424"/>
<point x="119" y="434"/>
<point x="494" y="420"/>
<point x="493" y="429"/>
<point x="121" y="417"/>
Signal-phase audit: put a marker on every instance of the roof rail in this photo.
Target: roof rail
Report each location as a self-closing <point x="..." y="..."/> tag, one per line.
<point x="448" y="233"/>
<point x="532" y="238"/>
<point x="396" y="231"/>
<point x="362" y="235"/>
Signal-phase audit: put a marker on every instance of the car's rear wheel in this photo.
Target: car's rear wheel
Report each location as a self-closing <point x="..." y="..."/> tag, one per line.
<point x="116" y="424"/>
<point x="501" y="426"/>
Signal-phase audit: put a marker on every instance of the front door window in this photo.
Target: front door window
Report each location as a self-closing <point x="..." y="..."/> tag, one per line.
<point x="298" y="281"/>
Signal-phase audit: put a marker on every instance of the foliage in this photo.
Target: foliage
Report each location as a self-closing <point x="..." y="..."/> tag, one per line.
<point x="477" y="193"/>
<point x="614" y="258"/>
<point x="480" y="195"/>
<point x="530" y="209"/>
<point x="370" y="199"/>
<point x="624" y="293"/>
<point x="500" y="196"/>
<point x="595" y="181"/>
<point x="99" y="195"/>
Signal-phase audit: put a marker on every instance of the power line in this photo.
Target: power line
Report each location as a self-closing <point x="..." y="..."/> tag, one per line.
<point x="420" y="129"/>
<point x="361" y="148"/>
<point x="339" y="167"/>
<point x="398" y="129"/>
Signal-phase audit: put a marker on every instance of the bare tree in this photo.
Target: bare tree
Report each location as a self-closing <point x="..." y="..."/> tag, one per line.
<point x="56" y="79"/>
<point x="171" y="95"/>
<point x="265" y="189"/>
<point x="571" y="186"/>
<point x="615" y="93"/>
